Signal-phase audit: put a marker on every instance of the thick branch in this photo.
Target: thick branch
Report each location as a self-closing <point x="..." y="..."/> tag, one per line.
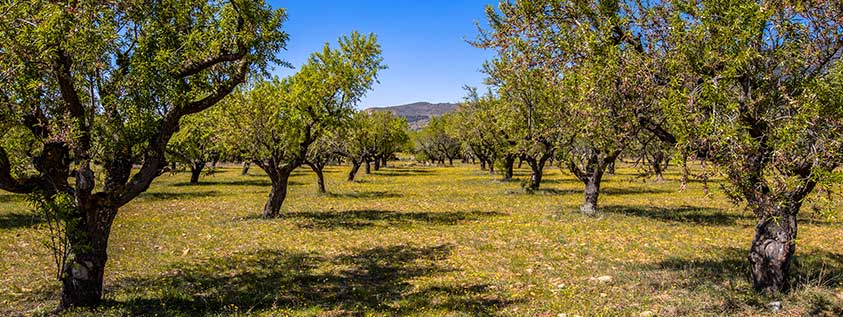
<point x="8" y="182"/>
<point x="193" y="68"/>
<point x="154" y="160"/>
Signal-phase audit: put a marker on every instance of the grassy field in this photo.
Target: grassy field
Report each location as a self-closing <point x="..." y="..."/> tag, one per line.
<point x="424" y="241"/>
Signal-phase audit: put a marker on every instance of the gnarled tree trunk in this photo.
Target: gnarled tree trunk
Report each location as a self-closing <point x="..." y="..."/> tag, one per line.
<point x="771" y="253"/>
<point x="277" y="193"/>
<point x="384" y="159"/>
<point x="591" y="175"/>
<point x="245" y="170"/>
<point x="537" y="169"/>
<point x="279" y="174"/>
<point x="82" y="275"/>
<point x="320" y="177"/>
<point x="355" y="166"/>
<point x="591" y="193"/>
<point x="774" y="245"/>
<point x="508" y="163"/>
<point x="368" y="167"/>
<point x="377" y="164"/>
<point x="195" y="171"/>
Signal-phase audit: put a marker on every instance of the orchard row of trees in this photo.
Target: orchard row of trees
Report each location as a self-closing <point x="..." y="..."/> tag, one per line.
<point x="89" y="90"/>
<point x="308" y="118"/>
<point x="754" y="87"/>
<point x="98" y="99"/>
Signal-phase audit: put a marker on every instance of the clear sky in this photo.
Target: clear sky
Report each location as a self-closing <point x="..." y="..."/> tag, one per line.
<point x="423" y="43"/>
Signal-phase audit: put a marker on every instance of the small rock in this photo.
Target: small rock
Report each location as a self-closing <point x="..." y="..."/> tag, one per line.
<point x="529" y="270"/>
<point x="562" y="315"/>
<point x="775" y="306"/>
<point x="560" y="286"/>
<point x="646" y="313"/>
<point x="602" y="279"/>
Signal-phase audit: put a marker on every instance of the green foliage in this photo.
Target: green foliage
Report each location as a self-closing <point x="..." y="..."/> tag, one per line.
<point x="757" y="86"/>
<point x="277" y="120"/>
<point x="373" y="135"/>
<point x="198" y="139"/>
<point x="478" y="126"/>
<point x="58" y="213"/>
<point x="436" y="141"/>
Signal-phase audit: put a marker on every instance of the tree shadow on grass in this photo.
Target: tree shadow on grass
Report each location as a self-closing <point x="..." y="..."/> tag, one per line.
<point x="366" y="281"/>
<point x="403" y="172"/>
<point x="359" y="219"/>
<point x="727" y="277"/>
<point x="261" y="182"/>
<point x="177" y="195"/>
<point x="605" y="191"/>
<point x="19" y="220"/>
<point x="365" y="195"/>
<point x="12" y="198"/>
<point x="684" y="214"/>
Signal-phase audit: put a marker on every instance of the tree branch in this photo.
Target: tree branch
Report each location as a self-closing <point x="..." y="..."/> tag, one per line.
<point x="8" y="182"/>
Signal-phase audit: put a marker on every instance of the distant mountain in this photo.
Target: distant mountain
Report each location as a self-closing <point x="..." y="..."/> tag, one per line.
<point x="418" y="113"/>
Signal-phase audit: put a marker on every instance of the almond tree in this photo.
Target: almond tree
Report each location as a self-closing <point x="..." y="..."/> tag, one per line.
<point x="435" y="141"/>
<point x="195" y="144"/>
<point x="99" y="86"/>
<point x="478" y="128"/>
<point x="274" y="123"/>
<point x="595" y="64"/>
<point x="759" y="85"/>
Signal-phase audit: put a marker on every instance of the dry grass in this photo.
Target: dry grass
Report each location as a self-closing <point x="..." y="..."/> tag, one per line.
<point x="424" y="241"/>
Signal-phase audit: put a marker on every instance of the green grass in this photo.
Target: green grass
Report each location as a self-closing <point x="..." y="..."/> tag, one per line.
<point x="424" y="241"/>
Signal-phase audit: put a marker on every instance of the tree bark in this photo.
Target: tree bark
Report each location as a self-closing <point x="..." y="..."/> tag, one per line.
<point x="611" y="168"/>
<point x="277" y="193"/>
<point x="491" y="167"/>
<point x="377" y="164"/>
<point x="82" y="276"/>
<point x="355" y="166"/>
<point x="196" y="171"/>
<point x="774" y="244"/>
<point x="482" y="164"/>
<point x="508" y="163"/>
<point x="368" y="167"/>
<point x="592" y="191"/>
<point x="591" y="176"/>
<point x="537" y="168"/>
<point x="451" y="161"/>
<point x="245" y="170"/>
<point x="656" y="165"/>
<point x="384" y="160"/>
<point x="320" y="177"/>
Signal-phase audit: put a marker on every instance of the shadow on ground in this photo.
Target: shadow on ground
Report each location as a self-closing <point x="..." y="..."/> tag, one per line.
<point x="366" y="281"/>
<point x="365" y="195"/>
<point x="684" y="214"/>
<point x="12" y="198"/>
<point x="19" y="220"/>
<point x="403" y="172"/>
<point x="727" y="277"/>
<point x="605" y="191"/>
<point x="177" y="195"/>
<point x="359" y="219"/>
<point x="262" y="182"/>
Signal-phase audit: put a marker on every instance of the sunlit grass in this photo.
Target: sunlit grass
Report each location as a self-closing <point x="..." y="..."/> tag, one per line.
<point x="425" y="241"/>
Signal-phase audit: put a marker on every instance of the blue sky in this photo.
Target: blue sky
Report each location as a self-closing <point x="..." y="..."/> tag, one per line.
<point x="423" y="43"/>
